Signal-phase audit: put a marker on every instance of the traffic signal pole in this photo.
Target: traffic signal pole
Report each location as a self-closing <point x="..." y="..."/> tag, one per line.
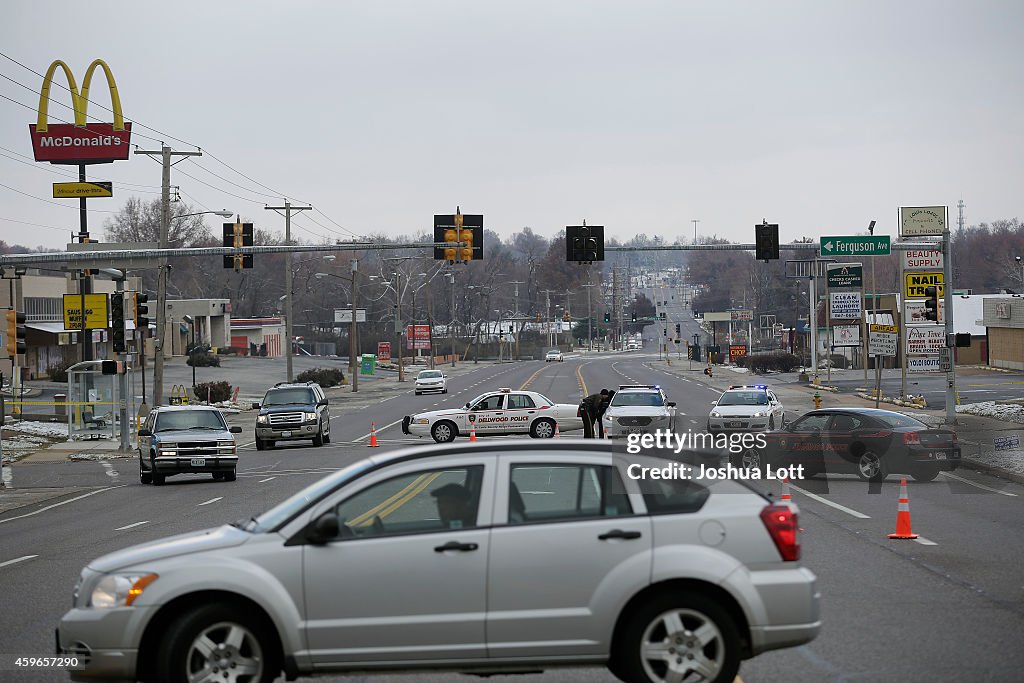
<point x="288" y="208"/>
<point x="947" y="278"/>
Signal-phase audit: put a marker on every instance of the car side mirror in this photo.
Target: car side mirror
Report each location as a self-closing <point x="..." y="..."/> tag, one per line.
<point x="714" y="403"/>
<point x="465" y="407"/>
<point x="324" y="529"/>
<point x="255" y="406"/>
<point x="235" y="430"/>
<point x="671" y="404"/>
<point x="322" y="403"/>
<point x="145" y="432"/>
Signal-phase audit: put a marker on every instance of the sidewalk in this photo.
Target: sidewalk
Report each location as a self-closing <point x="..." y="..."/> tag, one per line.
<point x="976" y="434"/>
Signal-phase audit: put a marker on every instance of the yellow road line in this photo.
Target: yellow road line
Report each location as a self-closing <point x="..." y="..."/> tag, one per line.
<point x="532" y="377"/>
<point x="583" y="385"/>
<point x="380" y="506"/>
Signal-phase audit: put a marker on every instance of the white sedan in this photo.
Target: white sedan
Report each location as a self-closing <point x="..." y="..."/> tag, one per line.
<point x="431" y="380"/>
<point x="553" y="355"/>
<point x="497" y="412"/>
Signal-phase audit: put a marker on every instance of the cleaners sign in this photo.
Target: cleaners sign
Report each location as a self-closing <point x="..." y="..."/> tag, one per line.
<point x="844" y="305"/>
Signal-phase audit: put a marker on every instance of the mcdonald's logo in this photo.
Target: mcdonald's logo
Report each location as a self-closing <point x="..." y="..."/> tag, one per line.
<point x="80" y="142"/>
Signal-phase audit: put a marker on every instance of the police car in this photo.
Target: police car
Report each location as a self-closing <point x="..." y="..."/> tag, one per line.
<point x="497" y="412"/>
<point x="747" y="408"/>
<point x="638" y="409"/>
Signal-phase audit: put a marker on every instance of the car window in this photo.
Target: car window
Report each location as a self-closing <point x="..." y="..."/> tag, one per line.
<point x="283" y="397"/>
<point x="546" y="401"/>
<point x="428" y="500"/>
<point x="743" y="398"/>
<point x="842" y="422"/>
<point x="811" y="423"/>
<point x="550" y="493"/>
<point x="520" y="401"/>
<point x="637" y="398"/>
<point x="897" y="420"/>
<point x="492" y="402"/>
<point x="189" y="419"/>
<point x="668" y="496"/>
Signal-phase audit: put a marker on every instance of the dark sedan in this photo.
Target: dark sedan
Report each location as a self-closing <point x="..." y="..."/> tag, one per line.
<point x="868" y="442"/>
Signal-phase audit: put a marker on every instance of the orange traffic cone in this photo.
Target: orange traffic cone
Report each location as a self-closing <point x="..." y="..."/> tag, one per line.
<point x="903" y="514"/>
<point x="785" y="490"/>
<point x="373" y="436"/>
<point x="556" y="435"/>
<point x="472" y="431"/>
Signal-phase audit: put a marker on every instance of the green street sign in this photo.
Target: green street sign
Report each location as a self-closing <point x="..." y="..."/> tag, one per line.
<point x="855" y="245"/>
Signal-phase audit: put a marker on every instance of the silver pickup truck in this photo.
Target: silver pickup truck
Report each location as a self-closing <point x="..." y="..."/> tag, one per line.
<point x="186" y="439"/>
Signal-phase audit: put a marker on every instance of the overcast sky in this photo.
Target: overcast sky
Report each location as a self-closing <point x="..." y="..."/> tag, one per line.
<point x="641" y="116"/>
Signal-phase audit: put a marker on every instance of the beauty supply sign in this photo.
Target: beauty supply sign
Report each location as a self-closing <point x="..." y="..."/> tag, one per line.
<point x="922" y="259"/>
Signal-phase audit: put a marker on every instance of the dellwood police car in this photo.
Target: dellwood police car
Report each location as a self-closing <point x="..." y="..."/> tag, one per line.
<point x="498" y="412"/>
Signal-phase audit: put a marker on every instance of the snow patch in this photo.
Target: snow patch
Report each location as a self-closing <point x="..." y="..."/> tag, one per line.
<point x="47" y="429"/>
<point x="1010" y="412"/>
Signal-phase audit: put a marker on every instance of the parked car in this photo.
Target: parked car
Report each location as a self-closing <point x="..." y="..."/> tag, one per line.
<point x="868" y="442"/>
<point x="415" y="560"/>
<point x="431" y="380"/>
<point x="293" y="411"/>
<point x="638" y="409"/>
<point x="497" y="412"/>
<point x="553" y="355"/>
<point x="186" y="440"/>
<point x="747" y="408"/>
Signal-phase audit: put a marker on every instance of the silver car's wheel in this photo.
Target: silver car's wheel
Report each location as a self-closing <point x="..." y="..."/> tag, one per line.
<point x="870" y="467"/>
<point x="683" y="637"/>
<point x="542" y="429"/>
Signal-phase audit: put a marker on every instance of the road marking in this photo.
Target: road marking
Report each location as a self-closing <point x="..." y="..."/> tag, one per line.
<point x="57" y="505"/>
<point x="265" y="480"/>
<point x="583" y="384"/>
<point x="837" y="506"/>
<point x="524" y="385"/>
<point x="980" y="486"/>
<point x="924" y="541"/>
<point x="212" y="500"/>
<point x="379" y="430"/>
<point x="122" y="528"/>
<point x="17" y="560"/>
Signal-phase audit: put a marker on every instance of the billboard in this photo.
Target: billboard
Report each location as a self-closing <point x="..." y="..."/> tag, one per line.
<point x="81" y="142"/>
<point x="417" y="337"/>
<point x="384" y="351"/>
<point x="915" y="284"/>
<point x="923" y="340"/>
<point x="844" y="305"/>
<point x="922" y="221"/>
<point x="846" y="336"/>
<point x="95" y="311"/>
<point x="922" y="259"/>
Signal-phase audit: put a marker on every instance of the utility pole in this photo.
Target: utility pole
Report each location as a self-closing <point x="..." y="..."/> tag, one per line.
<point x="695" y="221"/>
<point x="517" y="322"/>
<point x="590" y="319"/>
<point x="166" y="154"/>
<point x="398" y="323"/>
<point x="947" y="278"/>
<point x="353" y="330"/>
<point x="547" y="315"/>
<point x="451" y="323"/>
<point x="288" y="208"/>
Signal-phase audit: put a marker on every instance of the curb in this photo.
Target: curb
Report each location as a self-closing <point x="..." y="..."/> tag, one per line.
<point x="993" y="470"/>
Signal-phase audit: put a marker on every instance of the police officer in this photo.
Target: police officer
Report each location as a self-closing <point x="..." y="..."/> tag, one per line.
<point x="588" y="411"/>
<point x="602" y="409"/>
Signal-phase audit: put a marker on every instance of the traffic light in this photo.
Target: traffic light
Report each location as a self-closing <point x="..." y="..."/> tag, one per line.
<point x="566" y="317"/>
<point x="238" y="235"/>
<point x="678" y="329"/>
<point x="584" y="243"/>
<point x="634" y="316"/>
<point x="666" y="331"/>
<point x="117" y="322"/>
<point x="767" y="241"/>
<point x="459" y="227"/>
<point x="140" y="311"/>
<point x="607" y="317"/>
<point x="15" y="332"/>
<point x="536" y="318"/>
<point x="931" y="304"/>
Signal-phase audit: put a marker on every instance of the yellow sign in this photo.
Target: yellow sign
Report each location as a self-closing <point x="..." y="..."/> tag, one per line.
<point x="885" y="329"/>
<point x="95" y="311"/>
<point x="79" y="190"/>
<point x="916" y="283"/>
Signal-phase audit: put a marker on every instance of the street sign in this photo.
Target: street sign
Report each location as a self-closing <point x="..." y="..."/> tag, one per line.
<point x="922" y="221"/>
<point x="95" y="311"/>
<point x="883" y="340"/>
<point x="344" y="315"/>
<point x="922" y="259"/>
<point x="844" y="305"/>
<point x="926" y="339"/>
<point x="855" y="245"/>
<point x="845" y="275"/>
<point x="96" y="188"/>
<point x="741" y="315"/>
<point x="923" y="364"/>
<point x="915" y="284"/>
<point x="945" y="361"/>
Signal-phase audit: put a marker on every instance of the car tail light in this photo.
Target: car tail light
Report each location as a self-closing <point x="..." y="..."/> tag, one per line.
<point x="911" y="438"/>
<point x="781" y="524"/>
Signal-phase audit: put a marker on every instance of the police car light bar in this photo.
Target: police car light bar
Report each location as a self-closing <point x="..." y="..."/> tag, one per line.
<point x="505" y="390"/>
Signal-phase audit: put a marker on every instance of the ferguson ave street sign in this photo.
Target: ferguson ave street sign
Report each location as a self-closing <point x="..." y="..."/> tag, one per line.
<point x="855" y="245"/>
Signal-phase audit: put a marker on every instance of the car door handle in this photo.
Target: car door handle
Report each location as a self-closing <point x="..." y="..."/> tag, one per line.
<point x="455" y="545"/>
<point x="619" y="533"/>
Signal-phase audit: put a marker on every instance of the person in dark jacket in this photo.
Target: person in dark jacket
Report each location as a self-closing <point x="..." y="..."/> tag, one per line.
<point x="588" y="411"/>
<point x="602" y="409"/>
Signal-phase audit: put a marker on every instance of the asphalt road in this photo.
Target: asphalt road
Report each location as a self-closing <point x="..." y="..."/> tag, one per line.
<point x="948" y="607"/>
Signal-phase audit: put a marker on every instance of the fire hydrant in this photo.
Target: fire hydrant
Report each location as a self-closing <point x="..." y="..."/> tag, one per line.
<point x="817" y="401"/>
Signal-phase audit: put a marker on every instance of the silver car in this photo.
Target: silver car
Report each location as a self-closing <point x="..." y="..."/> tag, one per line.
<point x="471" y="558"/>
<point x="747" y="408"/>
<point x="638" y="409"/>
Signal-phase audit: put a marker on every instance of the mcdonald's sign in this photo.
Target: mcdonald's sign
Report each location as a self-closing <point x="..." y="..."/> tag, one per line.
<point x="80" y="142"/>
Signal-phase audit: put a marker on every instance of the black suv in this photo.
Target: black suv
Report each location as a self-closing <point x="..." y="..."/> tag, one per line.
<point x="293" y="411"/>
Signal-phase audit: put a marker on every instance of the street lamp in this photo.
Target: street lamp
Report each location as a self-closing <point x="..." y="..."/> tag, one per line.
<point x="1020" y="262"/>
<point x="161" y="303"/>
<point x="353" y="329"/>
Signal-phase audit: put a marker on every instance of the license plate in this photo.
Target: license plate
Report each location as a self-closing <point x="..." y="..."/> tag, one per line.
<point x="733" y="424"/>
<point x="286" y="434"/>
<point x="198" y="462"/>
<point x="634" y="430"/>
<point x="940" y="456"/>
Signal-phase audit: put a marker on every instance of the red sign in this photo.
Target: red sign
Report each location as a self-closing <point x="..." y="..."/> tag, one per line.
<point x="383" y="351"/>
<point x="417" y="336"/>
<point x="96" y="143"/>
<point x="737" y="351"/>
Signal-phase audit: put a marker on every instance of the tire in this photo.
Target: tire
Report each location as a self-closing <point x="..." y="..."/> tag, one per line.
<point x="418" y="393"/>
<point x="158" y="479"/>
<point x="542" y="429"/>
<point x="871" y="467"/>
<point x="327" y="436"/>
<point x="231" y="476"/>
<point x="444" y="431"/>
<point x="750" y="458"/>
<point x="269" y="445"/>
<point x="444" y="391"/>
<point x="924" y="473"/>
<point x="180" y="653"/>
<point x="683" y="630"/>
<point x="144" y="476"/>
<point x="260" y="444"/>
<point x="318" y="440"/>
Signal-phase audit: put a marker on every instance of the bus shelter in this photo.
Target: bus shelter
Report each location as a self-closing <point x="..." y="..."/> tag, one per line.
<point x="94" y="401"/>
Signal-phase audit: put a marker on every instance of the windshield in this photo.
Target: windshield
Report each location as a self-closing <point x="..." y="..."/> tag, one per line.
<point x="743" y="398"/>
<point x="554" y="352"/>
<point x="429" y="374"/>
<point x="189" y="419"/>
<point x="283" y="512"/>
<point x="637" y="398"/>
<point x="284" y="397"/>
